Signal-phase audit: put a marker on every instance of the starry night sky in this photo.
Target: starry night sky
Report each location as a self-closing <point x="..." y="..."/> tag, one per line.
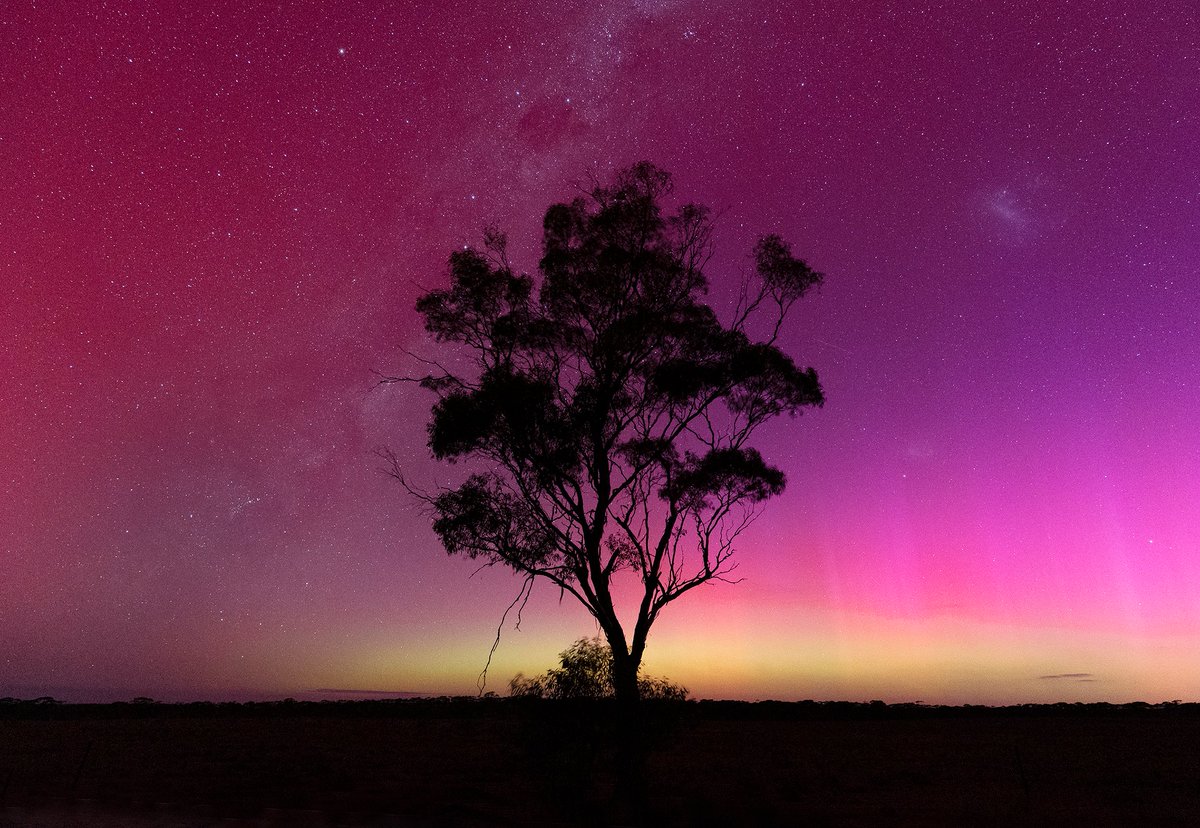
<point x="215" y="219"/>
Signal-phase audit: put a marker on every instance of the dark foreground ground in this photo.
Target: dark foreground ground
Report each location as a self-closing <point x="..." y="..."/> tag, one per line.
<point x="488" y="762"/>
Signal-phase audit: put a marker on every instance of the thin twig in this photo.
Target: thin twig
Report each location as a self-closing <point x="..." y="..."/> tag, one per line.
<point x="522" y="598"/>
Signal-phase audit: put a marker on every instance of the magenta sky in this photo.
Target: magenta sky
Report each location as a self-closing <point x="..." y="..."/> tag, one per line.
<point x="213" y="225"/>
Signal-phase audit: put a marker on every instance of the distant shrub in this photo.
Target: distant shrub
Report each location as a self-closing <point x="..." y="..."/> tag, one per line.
<point x="585" y="672"/>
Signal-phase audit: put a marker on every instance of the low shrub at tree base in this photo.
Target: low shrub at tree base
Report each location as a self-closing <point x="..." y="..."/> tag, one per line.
<point x="585" y="672"/>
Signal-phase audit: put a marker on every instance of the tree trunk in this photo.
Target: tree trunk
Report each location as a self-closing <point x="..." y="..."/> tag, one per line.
<point x="631" y="747"/>
<point x="625" y="674"/>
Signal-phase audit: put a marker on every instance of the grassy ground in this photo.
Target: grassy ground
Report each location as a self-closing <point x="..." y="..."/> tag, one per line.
<point x="484" y="764"/>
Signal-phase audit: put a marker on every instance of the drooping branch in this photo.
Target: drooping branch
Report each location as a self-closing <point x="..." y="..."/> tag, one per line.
<point x="522" y="598"/>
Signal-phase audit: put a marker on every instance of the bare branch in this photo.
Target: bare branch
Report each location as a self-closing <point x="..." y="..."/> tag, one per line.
<point x="392" y="469"/>
<point x="523" y="598"/>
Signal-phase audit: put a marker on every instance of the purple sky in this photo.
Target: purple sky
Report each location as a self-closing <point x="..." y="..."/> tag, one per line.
<point x="214" y="223"/>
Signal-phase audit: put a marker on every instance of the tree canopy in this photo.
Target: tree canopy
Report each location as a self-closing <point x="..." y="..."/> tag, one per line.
<point x="608" y="410"/>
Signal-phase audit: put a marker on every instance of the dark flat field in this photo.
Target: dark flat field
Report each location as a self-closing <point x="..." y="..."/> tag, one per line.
<point x="497" y="762"/>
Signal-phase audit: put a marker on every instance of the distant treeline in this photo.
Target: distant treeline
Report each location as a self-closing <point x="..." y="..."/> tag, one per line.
<point x="46" y="707"/>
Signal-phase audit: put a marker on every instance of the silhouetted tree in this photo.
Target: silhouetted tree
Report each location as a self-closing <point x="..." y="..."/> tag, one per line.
<point x="585" y="672"/>
<point x="612" y="407"/>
